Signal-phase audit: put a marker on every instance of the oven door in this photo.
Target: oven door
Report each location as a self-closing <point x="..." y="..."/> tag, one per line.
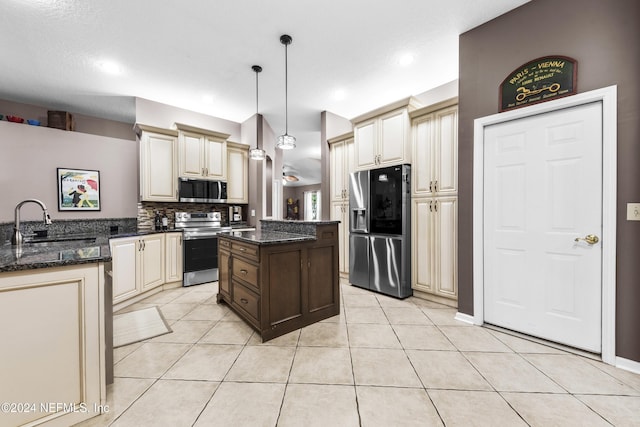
<point x="200" y="260"/>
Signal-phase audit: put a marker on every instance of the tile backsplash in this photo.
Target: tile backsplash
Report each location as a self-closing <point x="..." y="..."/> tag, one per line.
<point x="108" y="226"/>
<point x="102" y="226"/>
<point x="147" y="210"/>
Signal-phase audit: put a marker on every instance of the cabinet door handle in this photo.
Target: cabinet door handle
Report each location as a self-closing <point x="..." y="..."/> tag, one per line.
<point x="430" y="206"/>
<point x="243" y="271"/>
<point x="244" y="300"/>
<point x="435" y="186"/>
<point x="435" y="206"/>
<point x="243" y="249"/>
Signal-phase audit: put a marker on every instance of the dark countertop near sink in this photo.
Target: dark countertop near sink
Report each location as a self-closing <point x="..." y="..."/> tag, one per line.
<point x="61" y="250"/>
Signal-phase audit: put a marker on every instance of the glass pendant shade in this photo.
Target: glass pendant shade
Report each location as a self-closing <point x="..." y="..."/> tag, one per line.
<point x="286" y="142"/>
<point x="257" y="154"/>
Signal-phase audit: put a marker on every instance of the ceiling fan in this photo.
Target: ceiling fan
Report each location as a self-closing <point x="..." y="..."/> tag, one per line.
<point x="288" y="176"/>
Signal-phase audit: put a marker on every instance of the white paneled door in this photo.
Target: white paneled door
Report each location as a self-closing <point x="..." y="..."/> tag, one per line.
<point x="542" y="217"/>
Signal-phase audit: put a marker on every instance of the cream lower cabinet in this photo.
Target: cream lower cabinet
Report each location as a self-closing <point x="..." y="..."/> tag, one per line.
<point x="237" y="173"/>
<point x="174" y="257"/>
<point x="52" y="365"/>
<point x="158" y="164"/>
<point x="138" y="265"/>
<point x="340" y="212"/>
<point x="434" y="247"/>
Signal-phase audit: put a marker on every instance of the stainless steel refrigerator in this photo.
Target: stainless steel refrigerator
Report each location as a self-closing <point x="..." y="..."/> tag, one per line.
<point x="380" y="230"/>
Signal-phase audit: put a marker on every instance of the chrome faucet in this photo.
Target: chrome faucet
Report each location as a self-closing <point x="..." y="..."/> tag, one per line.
<point x="17" y="239"/>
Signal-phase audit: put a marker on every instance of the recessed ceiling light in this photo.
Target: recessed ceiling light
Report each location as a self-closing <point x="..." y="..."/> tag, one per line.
<point x="339" y="94"/>
<point x="110" y="67"/>
<point x="406" y="59"/>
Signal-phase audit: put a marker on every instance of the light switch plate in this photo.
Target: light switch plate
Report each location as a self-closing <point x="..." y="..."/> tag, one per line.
<point x="633" y="211"/>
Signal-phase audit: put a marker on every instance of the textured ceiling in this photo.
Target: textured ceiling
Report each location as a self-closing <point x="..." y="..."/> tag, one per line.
<point x="197" y="54"/>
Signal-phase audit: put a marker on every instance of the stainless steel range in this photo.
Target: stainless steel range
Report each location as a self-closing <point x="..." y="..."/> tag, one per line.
<point x="200" y="234"/>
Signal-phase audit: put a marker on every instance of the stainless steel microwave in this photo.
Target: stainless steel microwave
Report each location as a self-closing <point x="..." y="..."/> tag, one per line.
<point x="202" y="191"/>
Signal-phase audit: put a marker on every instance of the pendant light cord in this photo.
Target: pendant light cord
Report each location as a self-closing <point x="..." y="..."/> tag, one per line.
<point x="257" y="130"/>
<point x="286" y="91"/>
<point x="257" y="69"/>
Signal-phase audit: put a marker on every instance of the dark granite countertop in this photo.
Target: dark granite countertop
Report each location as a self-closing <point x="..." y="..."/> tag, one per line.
<point x="273" y="232"/>
<point x="60" y="250"/>
<point x="262" y="237"/>
<point x="54" y="254"/>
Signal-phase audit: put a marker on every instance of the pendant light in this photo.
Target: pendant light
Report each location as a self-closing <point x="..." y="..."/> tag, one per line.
<point x="257" y="153"/>
<point x="286" y="141"/>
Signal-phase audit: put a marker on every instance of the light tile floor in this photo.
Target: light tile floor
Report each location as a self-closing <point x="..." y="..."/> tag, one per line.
<point x="381" y="362"/>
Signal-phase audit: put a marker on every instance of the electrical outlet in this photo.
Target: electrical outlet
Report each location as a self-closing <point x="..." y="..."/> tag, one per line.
<point x="633" y="211"/>
<point x="253" y="212"/>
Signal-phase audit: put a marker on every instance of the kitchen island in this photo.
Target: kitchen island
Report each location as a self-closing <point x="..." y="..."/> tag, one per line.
<point x="281" y="277"/>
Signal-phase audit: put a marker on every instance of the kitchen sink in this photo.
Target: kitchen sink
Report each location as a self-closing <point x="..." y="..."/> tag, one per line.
<point x="59" y="240"/>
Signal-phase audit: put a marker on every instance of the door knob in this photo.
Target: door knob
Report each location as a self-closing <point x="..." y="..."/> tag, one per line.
<point x="591" y="239"/>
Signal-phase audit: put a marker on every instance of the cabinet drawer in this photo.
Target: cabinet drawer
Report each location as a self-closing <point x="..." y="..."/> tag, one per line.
<point x="249" y="251"/>
<point x="244" y="271"/>
<point x="246" y="300"/>
<point x="224" y="243"/>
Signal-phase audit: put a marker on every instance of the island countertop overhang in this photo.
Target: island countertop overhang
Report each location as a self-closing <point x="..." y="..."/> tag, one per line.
<point x="274" y="232"/>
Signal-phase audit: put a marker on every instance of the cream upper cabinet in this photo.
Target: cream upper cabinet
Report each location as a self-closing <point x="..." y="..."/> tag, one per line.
<point x="341" y="165"/>
<point x="215" y="158"/>
<point x="158" y="164"/>
<point x="237" y="173"/>
<point x="366" y="137"/>
<point x="202" y="153"/>
<point x="382" y="136"/>
<point x="434" y="246"/>
<point x="393" y="144"/>
<point x="435" y="153"/>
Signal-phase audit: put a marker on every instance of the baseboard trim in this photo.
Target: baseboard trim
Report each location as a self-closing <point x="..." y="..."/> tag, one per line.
<point x="465" y="318"/>
<point x="434" y="298"/>
<point x="628" y="365"/>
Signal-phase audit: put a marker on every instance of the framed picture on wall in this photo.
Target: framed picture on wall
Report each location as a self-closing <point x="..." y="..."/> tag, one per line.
<point x="78" y="190"/>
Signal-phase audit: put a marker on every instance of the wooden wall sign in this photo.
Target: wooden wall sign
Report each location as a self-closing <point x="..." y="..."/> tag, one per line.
<point x="540" y="80"/>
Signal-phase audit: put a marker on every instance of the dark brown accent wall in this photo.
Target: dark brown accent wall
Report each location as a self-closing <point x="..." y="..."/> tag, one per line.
<point x="603" y="36"/>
